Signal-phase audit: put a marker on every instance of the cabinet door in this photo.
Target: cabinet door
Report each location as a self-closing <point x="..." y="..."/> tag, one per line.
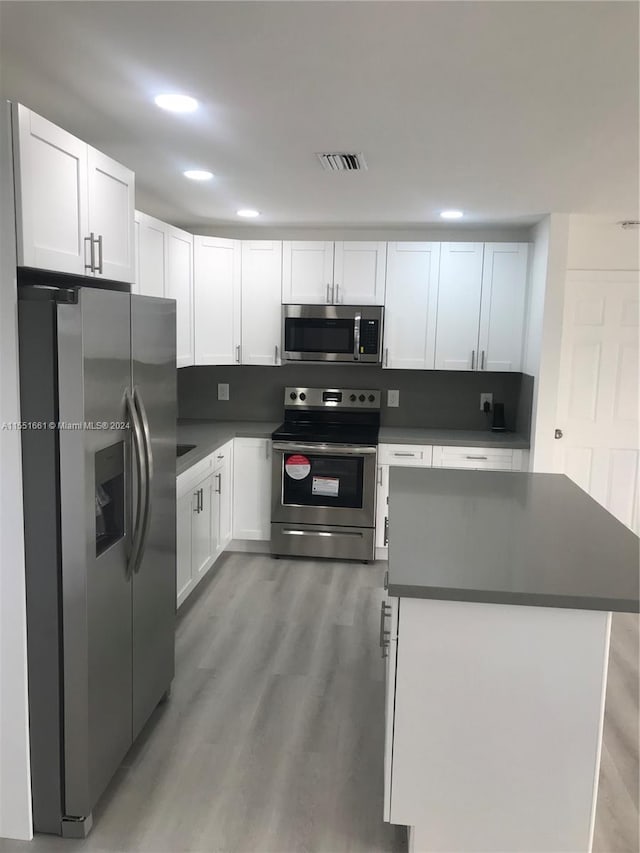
<point x="111" y="203"/>
<point x="261" y="301"/>
<point x="252" y="488"/>
<point x="390" y="623"/>
<point x="152" y="255"/>
<point x="359" y="270"/>
<point x="216" y="300"/>
<point x="410" y="305"/>
<point x="224" y="488"/>
<point x="307" y="272"/>
<point x="203" y="537"/>
<point x="186" y="506"/>
<point x="504" y="283"/>
<point x="458" y="306"/>
<point x="382" y="505"/>
<point x="51" y="195"/>
<point x="180" y="287"/>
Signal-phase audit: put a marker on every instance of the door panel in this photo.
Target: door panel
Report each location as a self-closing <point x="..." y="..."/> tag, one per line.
<point x="359" y="273"/>
<point x="261" y="301"/>
<point x="504" y="280"/>
<point x="204" y="538"/>
<point x="458" y="306"/>
<point x="184" y="579"/>
<point x="111" y="203"/>
<point x="180" y="288"/>
<point x="598" y="390"/>
<point x="153" y="337"/>
<point x="217" y="300"/>
<point x="152" y="256"/>
<point x="94" y="371"/>
<point x="307" y="272"/>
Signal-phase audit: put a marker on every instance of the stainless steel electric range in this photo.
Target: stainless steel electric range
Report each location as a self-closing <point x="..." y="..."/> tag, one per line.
<point x="324" y="474"/>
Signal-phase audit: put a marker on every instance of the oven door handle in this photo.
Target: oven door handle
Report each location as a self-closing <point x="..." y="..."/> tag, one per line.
<point x="356" y="336"/>
<point x="325" y="449"/>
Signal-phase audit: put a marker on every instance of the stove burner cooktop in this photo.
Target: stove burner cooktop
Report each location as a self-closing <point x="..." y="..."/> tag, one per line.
<point x="330" y="416"/>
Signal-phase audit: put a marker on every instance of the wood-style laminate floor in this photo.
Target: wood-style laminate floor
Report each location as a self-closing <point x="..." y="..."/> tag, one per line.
<point x="273" y="737"/>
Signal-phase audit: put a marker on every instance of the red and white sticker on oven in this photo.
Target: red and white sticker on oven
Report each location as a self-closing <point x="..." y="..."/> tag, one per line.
<point x="297" y="466"/>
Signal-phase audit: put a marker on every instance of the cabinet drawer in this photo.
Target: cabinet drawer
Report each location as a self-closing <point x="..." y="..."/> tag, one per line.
<point x="222" y="455"/>
<point x="194" y="474"/>
<point x="494" y="458"/>
<point x="405" y="454"/>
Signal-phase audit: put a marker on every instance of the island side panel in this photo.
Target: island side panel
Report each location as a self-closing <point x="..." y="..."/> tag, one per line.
<point x="498" y="725"/>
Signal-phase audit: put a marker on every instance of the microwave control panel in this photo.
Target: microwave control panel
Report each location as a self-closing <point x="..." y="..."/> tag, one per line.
<point x="369" y="337"/>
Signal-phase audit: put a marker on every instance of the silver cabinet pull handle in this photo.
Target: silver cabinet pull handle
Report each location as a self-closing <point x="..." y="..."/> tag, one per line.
<point x="91" y="266"/>
<point x="379" y="475"/>
<point x="238" y="353"/>
<point x="275" y="357"/>
<point x="386" y="531"/>
<point x="337" y="293"/>
<point x="473" y="359"/>
<point x="482" y="361"/>
<point x="99" y="267"/>
<point x="219" y="489"/>
<point x="477" y="457"/>
<point x="404" y="453"/>
<point x="221" y="456"/>
<point x="328" y="297"/>
<point x="386" y="357"/>
<point x="385" y="582"/>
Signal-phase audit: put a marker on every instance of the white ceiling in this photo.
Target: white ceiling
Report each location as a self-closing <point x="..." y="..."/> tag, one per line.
<point x="507" y="110"/>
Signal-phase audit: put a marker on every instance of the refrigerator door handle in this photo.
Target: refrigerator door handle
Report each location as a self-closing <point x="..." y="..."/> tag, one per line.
<point x="148" y="469"/>
<point x="142" y="483"/>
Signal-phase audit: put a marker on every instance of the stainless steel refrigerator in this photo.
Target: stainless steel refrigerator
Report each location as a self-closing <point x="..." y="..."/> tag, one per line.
<point x="98" y="401"/>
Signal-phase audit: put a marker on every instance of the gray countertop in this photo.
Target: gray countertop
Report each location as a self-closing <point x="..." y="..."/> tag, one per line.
<point x="210" y="435"/>
<point x="453" y="437"/>
<point x="508" y="538"/>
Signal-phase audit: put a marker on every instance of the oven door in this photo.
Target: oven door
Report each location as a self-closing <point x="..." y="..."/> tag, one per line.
<point x="323" y="484"/>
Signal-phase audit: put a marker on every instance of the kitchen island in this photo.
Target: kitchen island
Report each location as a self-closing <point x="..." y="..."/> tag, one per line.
<point x="501" y="587"/>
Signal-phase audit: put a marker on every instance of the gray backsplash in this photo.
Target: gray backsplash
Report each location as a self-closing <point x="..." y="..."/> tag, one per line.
<point x="428" y="398"/>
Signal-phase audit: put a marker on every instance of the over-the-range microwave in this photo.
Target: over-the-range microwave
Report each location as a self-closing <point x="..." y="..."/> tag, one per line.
<point x="334" y="333"/>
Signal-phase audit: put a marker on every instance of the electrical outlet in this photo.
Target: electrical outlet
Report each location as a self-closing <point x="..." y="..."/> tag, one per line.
<point x="223" y="390"/>
<point x="486" y="398"/>
<point x="393" y="399"/>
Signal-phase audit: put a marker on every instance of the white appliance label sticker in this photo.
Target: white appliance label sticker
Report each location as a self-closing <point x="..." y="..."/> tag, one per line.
<point x="297" y="466"/>
<point x="328" y="486"/>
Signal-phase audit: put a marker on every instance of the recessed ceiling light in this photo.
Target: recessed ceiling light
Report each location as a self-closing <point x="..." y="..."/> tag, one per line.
<point x="198" y="175"/>
<point x="248" y="213"/>
<point x="176" y="103"/>
<point x="451" y="214"/>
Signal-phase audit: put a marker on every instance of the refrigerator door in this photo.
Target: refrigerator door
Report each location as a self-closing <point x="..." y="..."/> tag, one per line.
<point x="153" y="336"/>
<point x="94" y="374"/>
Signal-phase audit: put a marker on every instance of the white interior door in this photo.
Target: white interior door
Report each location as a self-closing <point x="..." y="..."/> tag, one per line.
<point x="598" y="390"/>
<point x="51" y="195"/>
<point x="111" y="204"/>
<point x="261" y="301"/>
<point x="217" y="300"/>
<point x="307" y="272"/>
<point x="180" y="288"/>
<point x="458" y="306"/>
<point x="410" y="305"/>
<point x="359" y="269"/>
<point x="504" y="284"/>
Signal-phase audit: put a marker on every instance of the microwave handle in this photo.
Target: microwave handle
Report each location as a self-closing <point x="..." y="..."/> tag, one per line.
<point x="356" y="336"/>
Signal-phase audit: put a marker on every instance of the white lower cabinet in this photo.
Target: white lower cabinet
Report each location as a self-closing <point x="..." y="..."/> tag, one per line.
<point x="204" y="505"/>
<point x="382" y="506"/>
<point x="252" y="488"/>
<point x="389" y="646"/>
<point x="478" y="458"/>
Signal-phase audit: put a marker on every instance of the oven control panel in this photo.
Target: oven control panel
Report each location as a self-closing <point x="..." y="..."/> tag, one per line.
<point x="332" y="398"/>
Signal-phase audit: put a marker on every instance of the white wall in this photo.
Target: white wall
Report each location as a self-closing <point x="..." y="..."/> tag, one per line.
<point x="15" y="782"/>
<point x="599" y="243"/>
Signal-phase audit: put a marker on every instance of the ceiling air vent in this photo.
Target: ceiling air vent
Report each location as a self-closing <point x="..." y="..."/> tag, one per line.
<point x="340" y="162"/>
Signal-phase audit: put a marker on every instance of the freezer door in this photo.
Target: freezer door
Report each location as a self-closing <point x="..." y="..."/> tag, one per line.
<point x="153" y="336"/>
<point x="94" y="373"/>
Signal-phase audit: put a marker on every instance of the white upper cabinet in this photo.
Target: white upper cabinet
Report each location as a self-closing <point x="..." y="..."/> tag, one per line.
<point x="51" y="195"/>
<point x="351" y="273"/>
<point x="504" y="280"/>
<point x="75" y="205"/>
<point x="307" y="272"/>
<point x="151" y="256"/>
<point x="261" y="301"/>
<point x="458" y="317"/>
<point x="180" y="287"/>
<point x="111" y="204"/>
<point x="217" y="300"/>
<point x="359" y="270"/>
<point x="411" y="305"/>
